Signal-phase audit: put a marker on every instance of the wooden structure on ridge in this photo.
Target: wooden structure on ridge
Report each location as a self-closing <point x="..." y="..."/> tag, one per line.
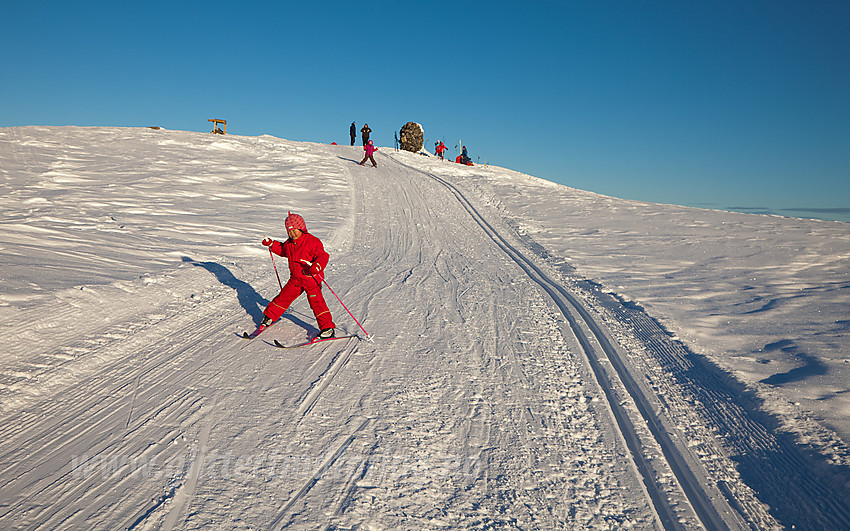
<point x="223" y="130"/>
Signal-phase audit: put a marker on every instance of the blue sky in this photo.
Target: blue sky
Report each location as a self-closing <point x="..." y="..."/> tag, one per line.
<point x="722" y="104"/>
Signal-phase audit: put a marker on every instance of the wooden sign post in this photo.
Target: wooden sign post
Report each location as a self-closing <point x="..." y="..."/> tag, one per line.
<point x="223" y="130"/>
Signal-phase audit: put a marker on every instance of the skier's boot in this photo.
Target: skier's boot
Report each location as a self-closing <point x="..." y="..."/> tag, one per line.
<point x="266" y="322"/>
<point x="327" y="333"/>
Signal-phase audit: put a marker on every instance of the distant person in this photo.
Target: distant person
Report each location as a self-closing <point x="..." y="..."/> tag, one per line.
<point x="353" y="132"/>
<point x="464" y="156"/>
<point x="370" y="151"/>
<point x="365" y="132"/>
<point x="441" y="149"/>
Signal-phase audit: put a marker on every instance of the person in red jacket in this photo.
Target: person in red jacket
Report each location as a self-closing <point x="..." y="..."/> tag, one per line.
<point x="441" y="148"/>
<point x="370" y="150"/>
<point x="307" y="262"/>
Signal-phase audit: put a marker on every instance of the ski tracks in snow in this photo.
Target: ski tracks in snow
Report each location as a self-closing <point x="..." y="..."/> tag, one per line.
<point x="317" y="386"/>
<point x="695" y="439"/>
<point x="479" y="422"/>
<point x="682" y="503"/>
<point x="489" y="400"/>
<point x="112" y="433"/>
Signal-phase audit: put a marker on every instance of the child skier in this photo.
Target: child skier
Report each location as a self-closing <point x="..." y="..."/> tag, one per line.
<point x="370" y="150"/>
<point x="307" y="262"/>
<point x="441" y="148"/>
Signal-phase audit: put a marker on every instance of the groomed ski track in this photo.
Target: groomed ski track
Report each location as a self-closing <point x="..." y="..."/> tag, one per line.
<point x="498" y="394"/>
<point x="799" y="488"/>
<point x="580" y="320"/>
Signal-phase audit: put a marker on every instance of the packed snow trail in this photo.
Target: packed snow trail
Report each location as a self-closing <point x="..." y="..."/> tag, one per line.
<point x="480" y="405"/>
<point x="680" y="395"/>
<point x="456" y="308"/>
<point x="579" y="317"/>
<point x="469" y="410"/>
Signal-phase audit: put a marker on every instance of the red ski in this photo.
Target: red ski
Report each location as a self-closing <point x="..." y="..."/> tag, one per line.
<point x="255" y="333"/>
<point x="312" y="341"/>
<point x="252" y="335"/>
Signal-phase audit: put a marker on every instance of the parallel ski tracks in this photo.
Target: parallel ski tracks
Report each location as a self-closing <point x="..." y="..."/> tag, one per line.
<point x="317" y="475"/>
<point x="115" y="432"/>
<point x="318" y="386"/>
<point x="780" y="472"/>
<point x="579" y="318"/>
<point x="800" y="491"/>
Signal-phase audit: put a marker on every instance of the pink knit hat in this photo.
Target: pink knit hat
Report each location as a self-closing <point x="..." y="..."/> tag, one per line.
<point x="294" y="221"/>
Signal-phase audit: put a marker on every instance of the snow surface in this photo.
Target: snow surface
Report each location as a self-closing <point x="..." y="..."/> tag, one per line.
<point x="131" y="261"/>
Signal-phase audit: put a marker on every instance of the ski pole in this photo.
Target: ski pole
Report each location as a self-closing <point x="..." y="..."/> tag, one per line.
<point x="368" y="337"/>
<point x="275" y="269"/>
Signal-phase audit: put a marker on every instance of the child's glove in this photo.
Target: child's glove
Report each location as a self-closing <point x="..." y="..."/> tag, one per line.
<point x="268" y="242"/>
<point x="316" y="271"/>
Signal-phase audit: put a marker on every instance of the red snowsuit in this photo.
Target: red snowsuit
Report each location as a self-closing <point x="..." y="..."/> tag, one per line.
<point x="441" y="148"/>
<point x="370" y="150"/>
<point x="310" y="248"/>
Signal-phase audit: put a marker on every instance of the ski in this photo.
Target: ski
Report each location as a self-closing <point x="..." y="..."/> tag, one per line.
<point x="255" y="333"/>
<point x="278" y="344"/>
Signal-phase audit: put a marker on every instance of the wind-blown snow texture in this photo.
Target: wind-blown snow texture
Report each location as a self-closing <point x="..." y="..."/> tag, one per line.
<point x="544" y="357"/>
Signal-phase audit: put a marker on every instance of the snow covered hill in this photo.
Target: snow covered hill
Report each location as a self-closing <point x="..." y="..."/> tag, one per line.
<point x="543" y="357"/>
